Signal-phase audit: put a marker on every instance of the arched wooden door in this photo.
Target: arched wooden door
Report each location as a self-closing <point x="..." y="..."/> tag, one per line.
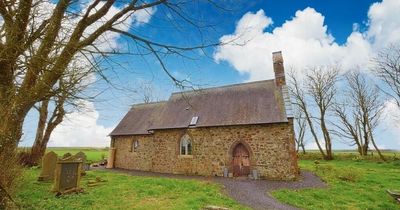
<point x="241" y="161"/>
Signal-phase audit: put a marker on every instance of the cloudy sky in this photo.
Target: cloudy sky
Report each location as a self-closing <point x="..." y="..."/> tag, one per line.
<point x="308" y="33"/>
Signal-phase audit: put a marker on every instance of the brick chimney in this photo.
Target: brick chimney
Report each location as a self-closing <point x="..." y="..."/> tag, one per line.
<point x="279" y="70"/>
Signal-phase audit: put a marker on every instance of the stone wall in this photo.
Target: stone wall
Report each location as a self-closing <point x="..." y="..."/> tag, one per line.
<point x="127" y="157"/>
<point x="271" y="147"/>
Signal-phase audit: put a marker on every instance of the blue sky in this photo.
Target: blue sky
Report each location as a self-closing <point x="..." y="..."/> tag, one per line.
<point x="308" y="32"/>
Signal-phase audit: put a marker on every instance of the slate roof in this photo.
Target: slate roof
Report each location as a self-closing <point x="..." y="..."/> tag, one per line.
<point x="260" y="102"/>
<point x="138" y="120"/>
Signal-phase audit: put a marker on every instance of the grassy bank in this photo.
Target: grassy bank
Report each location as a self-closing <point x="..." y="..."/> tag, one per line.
<point x="352" y="184"/>
<point x="92" y="154"/>
<point x="124" y="192"/>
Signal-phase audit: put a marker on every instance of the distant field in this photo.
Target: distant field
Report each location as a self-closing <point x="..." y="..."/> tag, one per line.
<point x="93" y="154"/>
<point x="351" y="155"/>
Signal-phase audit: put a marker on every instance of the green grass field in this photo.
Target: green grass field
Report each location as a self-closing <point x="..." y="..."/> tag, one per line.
<point x="124" y="192"/>
<point x="353" y="183"/>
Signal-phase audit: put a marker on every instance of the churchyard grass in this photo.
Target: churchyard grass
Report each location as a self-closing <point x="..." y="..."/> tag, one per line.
<point x="124" y="192"/>
<point x="352" y="184"/>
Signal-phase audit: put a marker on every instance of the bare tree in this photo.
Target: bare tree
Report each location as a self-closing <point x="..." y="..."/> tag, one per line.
<point x="300" y="127"/>
<point x="67" y="92"/>
<point x="315" y="97"/>
<point x="146" y="92"/>
<point x="360" y="111"/>
<point x="38" y="45"/>
<point x="387" y="68"/>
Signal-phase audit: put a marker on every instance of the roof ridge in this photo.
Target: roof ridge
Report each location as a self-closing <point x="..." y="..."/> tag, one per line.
<point x="224" y="86"/>
<point x="149" y="103"/>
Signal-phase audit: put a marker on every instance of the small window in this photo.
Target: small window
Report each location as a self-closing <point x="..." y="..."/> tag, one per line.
<point x="186" y="145"/>
<point x="135" y="145"/>
<point x="112" y="145"/>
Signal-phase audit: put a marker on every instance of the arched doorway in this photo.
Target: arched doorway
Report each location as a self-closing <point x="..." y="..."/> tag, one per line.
<point x="241" y="161"/>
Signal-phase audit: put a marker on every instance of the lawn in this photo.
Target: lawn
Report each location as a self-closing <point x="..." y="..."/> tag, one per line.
<point x="353" y="184"/>
<point x="124" y="192"/>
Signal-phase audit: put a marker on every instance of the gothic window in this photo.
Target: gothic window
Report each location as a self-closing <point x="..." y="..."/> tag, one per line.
<point x="186" y="145"/>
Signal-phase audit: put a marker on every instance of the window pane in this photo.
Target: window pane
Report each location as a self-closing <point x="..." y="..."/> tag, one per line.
<point x="185" y="145"/>
<point x="183" y="150"/>
<point x="189" y="148"/>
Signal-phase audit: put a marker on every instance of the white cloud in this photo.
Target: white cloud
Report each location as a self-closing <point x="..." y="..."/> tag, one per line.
<point x="391" y="121"/>
<point x="80" y="128"/>
<point x="108" y="40"/>
<point x="312" y="145"/>
<point x="305" y="41"/>
<point x="384" y="22"/>
<point x="143" y="16"/>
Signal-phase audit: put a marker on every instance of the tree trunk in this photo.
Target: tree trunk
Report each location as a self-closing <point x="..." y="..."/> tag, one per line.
<point x="366" y="134"/>
<point x="365" y="149"/>
<point x="44" y="131"/>
<point x="10" y="133"/>
<point x="303" y="148"/>
<point x="314" y="134"/>
<point x="328" y="143"/>
<point x="38" y="148"/>
<point x="373" y="143"/>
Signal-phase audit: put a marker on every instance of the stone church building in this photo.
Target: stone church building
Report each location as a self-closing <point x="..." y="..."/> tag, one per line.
<point x="240" y="130"/>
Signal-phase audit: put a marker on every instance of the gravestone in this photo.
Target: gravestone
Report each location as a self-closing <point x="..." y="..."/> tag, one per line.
<point x="49" y="163"/>
<point x="82" y="157"/>
<point x="67" y="155"/>
<point x="67" y="176"/>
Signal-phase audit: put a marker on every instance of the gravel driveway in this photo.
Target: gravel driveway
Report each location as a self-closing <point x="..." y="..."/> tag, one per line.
<point x="251" y="193"/>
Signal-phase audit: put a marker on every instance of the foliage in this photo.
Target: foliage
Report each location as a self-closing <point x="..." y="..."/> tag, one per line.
<point x="351" y="185"/>
<point x="125" y="192"/>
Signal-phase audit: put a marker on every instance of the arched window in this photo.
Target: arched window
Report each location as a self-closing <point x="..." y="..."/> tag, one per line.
<point x="186" y="145"/>
<point x="135" y="145"/>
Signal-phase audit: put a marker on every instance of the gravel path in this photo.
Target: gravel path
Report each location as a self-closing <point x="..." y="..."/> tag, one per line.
<point x="252" y="193"/>
<point x="255" y="193"/>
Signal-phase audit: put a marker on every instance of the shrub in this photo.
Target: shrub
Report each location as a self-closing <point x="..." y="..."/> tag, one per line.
<point x="329" y="172"/>
<point x="349" y="174"/>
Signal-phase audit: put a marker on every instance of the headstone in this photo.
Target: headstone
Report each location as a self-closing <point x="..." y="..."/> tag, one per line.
<point x="67" y="176"/>
<point x="67" y="155"/>
<point x="82" y="157"/>
<point x="49" y="163"/>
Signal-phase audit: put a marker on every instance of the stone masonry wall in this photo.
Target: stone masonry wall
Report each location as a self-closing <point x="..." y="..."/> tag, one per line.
<point x="127" y="157"/>
<point x="271" y="147"/>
